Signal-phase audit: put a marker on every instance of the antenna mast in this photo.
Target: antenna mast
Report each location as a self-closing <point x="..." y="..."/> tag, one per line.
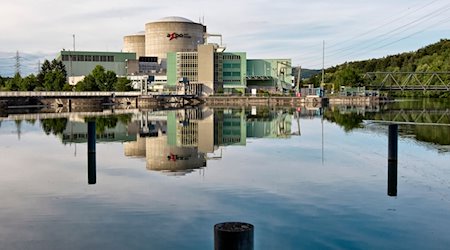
<point x="73" y="42"/>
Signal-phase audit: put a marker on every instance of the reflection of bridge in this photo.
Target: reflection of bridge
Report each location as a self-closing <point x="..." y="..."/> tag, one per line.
<point x="412" y="117"/>
<point x="408" y="81"/>
<point x="67" y="94"/>
<point x="74" y="115"/>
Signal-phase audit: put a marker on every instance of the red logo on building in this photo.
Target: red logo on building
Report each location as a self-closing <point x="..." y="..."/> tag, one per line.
<point x="175" y="35"/>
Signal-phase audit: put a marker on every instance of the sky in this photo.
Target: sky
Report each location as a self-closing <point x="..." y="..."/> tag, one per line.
<point x="351" y="30"/>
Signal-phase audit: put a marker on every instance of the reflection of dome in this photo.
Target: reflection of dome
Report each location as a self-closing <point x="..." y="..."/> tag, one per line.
<point x="164" y="157"/>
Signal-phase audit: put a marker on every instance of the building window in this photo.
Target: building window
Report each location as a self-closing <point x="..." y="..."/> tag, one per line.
<point x="80" y="58"/>
<point x="65" y="57"/>
<point x="88" y="58"/>
<point x="96" y="58"/>
<point x="102" y="58"/>
<point x="110" y="58"/>
<point x="236" y="66"/>
<point x="236" y="73"/>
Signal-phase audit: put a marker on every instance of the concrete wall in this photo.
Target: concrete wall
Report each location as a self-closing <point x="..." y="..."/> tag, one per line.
<point x="135" y="44"/>
<point x="206" y="68"/>
<point x="185" y="38"/>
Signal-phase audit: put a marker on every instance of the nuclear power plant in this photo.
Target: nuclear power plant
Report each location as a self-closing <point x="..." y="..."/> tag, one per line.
<point x="175" y="50"/>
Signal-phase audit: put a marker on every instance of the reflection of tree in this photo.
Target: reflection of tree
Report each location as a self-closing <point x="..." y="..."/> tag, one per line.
<point x="434" y="134"/>
<point x="54" y="126"/>
<point x="102" y="123"/>
<point x="347" y="121"/>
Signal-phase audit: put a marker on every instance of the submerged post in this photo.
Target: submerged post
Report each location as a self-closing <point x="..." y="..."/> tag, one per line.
<point x="392" y="159"/>
<point x="233" y="235"/>
<point x="92" y="175"/>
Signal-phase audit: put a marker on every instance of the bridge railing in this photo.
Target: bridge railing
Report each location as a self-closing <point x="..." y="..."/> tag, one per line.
<point x="67" y="94"/>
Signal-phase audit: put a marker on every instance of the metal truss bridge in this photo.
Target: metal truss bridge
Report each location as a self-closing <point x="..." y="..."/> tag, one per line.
<point x="411" y="117"/>
<point x="408" y="81"/>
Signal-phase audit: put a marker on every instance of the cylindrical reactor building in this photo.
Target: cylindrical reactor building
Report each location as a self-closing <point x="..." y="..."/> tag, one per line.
<point x="135" y="43"/>
<point x="172" y="34"/>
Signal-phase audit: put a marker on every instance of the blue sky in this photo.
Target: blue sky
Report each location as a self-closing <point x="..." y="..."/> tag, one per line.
<point x="352" y="30"/>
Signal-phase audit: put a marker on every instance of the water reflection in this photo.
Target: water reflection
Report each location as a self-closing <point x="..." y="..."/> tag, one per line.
<point x="425" y="120"/>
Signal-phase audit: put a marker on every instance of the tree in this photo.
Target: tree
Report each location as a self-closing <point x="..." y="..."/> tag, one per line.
<point x="347" y="77"/>
<point x="14" y="83"/>
<point x="52" y="76"/>
<point x="88" y="84"/>
<point x="28" y="83"/>
<point x="2" y="82"/>
<point x="54" y="81"/>
<point x="98" y="80"/>
<point x="123" y="84"/>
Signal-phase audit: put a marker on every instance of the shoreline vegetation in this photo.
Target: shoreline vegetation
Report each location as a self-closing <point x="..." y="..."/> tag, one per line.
<point x="431" y="58"/>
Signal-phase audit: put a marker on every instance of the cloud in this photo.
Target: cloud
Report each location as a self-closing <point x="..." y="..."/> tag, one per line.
<point x="261" y="28"/>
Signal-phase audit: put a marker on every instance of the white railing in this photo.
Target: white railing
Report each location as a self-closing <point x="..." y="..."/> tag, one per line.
<point x="67" y="94"/>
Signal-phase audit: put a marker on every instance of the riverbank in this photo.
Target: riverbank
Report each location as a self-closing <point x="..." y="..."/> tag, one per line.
<point x="357" y="100"/>
<point x="264" y="100"/>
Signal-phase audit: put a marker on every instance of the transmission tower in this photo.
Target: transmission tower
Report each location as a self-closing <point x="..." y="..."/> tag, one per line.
<point x="17" y="65"/>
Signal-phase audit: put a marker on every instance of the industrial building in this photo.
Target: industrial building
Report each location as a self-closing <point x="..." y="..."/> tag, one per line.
<point x="81" y="63"/>
<point x="176" y="49"/>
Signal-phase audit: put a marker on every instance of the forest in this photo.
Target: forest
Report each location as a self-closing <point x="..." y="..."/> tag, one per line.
<point x="53" y="77"/>
<point x="432" y="58"/>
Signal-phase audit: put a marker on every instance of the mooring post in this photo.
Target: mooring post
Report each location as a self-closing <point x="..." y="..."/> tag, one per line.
<point x="392" y="159"/>
<point x="92" y="175"/>
<point x="233" y="235"/>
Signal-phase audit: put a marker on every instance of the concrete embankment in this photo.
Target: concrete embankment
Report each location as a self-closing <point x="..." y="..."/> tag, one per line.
<point x="262" y="101"/>
<point x="356" y="100"/>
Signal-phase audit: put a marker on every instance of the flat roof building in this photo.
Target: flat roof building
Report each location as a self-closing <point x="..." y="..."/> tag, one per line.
<point x="81" y="63"/>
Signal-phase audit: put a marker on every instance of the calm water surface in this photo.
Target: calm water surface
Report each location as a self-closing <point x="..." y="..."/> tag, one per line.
<point x="163" y="179"/>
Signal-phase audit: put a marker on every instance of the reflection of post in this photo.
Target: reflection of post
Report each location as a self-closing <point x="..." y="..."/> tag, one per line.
<point x="233" y="235"/>
<point x="392" y="159"/>
<point x="92" y="178"/>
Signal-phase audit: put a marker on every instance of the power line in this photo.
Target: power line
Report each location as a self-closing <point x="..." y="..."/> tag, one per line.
<point x="393" y="33"/>
<point x="375" y="40"/>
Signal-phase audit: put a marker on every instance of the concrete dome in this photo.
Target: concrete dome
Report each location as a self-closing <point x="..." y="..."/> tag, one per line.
<point x="173" y="19"/>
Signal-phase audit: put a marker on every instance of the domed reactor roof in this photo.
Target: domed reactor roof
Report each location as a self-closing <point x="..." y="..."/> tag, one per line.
<point x="173" y="19"/>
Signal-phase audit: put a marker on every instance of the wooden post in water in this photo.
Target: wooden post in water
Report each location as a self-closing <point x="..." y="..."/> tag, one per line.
<point x="233" y="235"/>
<point x="392" y="159"/>
<point x="92" y="175"/>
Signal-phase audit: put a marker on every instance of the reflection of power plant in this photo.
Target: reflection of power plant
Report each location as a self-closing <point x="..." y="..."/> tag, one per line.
<point x="175" y="142"/>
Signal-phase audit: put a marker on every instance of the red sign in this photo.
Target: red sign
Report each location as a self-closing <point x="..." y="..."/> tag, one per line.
<point x="175" y="35"/>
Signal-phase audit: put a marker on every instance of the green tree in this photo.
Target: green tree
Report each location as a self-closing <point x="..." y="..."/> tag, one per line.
<point x="14" y="83"/>
<point x="88" y="84"/>
<point x="54" y="126"/>
<point x="52" y="76"/>
<point x="54" y="81"/>
<point x="98" y="80"/>
<point x="123" y="84"/>
<point x="28" y="83"/>
<point x="347" y="77"/>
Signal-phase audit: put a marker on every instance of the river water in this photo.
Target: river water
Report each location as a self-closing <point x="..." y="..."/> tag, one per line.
<point x="305" y="178"/>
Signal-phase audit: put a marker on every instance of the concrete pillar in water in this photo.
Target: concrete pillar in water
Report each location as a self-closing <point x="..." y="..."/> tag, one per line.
<point x="392" y="159"/>
<point x="233" y="235"/>
<point x="92" y="172"/>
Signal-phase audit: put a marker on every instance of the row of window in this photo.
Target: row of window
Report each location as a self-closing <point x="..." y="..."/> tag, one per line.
<point x="87" y="58"/>
<point x="188" y="65"/>
<point x="231" y="57"/>
<point x="231" y="66"/>
<point x="232" y="73"/>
